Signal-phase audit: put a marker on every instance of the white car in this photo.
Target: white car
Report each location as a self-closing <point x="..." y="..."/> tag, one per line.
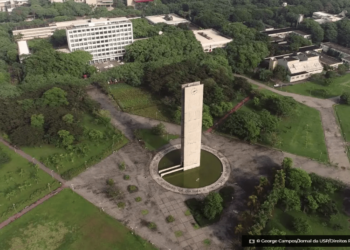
<point x="276" y="85"/>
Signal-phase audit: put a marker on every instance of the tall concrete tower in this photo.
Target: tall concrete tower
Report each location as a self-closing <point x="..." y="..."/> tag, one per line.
<point x="191" y="125"/>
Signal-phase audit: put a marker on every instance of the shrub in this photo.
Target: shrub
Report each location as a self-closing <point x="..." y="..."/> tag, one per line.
<point x="114" y="192"/>
<point x="345" y="98"/>
<point x="126" y="177"/>
<point x="159" y="129"/>
<point x="138" y="199"/>
<point x="121" y="205"/>
<point x="337" y="227"/>
<point x="212" y="205"/>
<point x="152" y="226"/>
<point x="170" y="219"/>
<point x="301" y="226"/>
<point x="122" y="166"/>
<point x="144" y="212"/>
<point x="188" y="212"/>
<point x="110" y="182"/>
<point x="196" y="226"/>
<point x="178" y="233"/>
<point x="207" y="242"/>
<point x="132" y="189"/>
<point x="4" y="158"/>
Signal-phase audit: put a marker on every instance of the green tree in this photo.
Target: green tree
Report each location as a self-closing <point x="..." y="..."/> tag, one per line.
<point x="37" y="121"/>
<point x="311" y="203"/>
<point x="344" y="32"/>
<point x="207" y="119"/>
<point x="281" y="106"/>
<point x="345" y="98"/>
<point x="66" y="138"/>
<point x="4" y="158"/>
<point x="55" y="97"/>
<point x="342" y="69"/>
<point x="244" y="124"/>
<point x="68" y="118"/>
<point x="301" y="226"/>
<point x="314" y="28"/>
<point x="212" y="205"/>
<point x="290" y="200"/>
<point x="159" y="129"/>
<point x="269" y="123"/>
<point x="265" y="75"/>
<point x="298" y="180"/>
<point x="330" y="31"/>
<point x="280" y="73"/>
<point x="59" y="38"/>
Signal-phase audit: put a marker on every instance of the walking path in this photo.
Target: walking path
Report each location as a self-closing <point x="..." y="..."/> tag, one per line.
<point x="336" y="146"/>
<point x="32" y="159"/>
<point x="238" y="106"/>
<point x="30" y="207"/>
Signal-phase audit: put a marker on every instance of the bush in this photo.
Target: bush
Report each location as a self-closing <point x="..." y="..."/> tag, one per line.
<point x="132" y="189"/>
<point x="110" y="182"/>
<point x="188" y="212"/>
<point x="114" y="192"/>
<point x="207" y="242"/>
<point x="159" y="129"/>
<point x="144" y="212"/>
<point x="138" y="199"/>
<point x="301" y="226"/>
<point x="227" y="193"/>
<point x="126" y="177"/>
<point x="4" y="158"/>
<point x="178" y="233"/>
<point x="122" y="166"/>
<point x="121" y="205"/>
<point x="152" y="225"/>
<point x="212" y="205"/>
<point x="337" y="227"/>
<point x="345" y="98"/>
<point x="170" y="219"/>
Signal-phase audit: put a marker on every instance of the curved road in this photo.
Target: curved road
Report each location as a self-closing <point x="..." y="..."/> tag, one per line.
<point x="336" y="146"/>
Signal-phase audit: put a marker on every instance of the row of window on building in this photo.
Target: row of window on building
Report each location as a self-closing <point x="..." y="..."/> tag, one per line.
<point x="122" y="37"/>
<point x="98" y="29"/>
<point x="119" y="31"/>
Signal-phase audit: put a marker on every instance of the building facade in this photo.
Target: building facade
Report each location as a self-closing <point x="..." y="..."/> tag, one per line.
<point x="105" y="40"/>
<point x="8" y="5"/>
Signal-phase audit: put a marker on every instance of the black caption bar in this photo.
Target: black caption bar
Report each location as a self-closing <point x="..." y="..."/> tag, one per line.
<point x="296" y="241"/>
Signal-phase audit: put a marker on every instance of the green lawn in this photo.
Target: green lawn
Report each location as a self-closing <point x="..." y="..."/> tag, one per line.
<point x="154" y="142"/>
<point x="139" y="102"/>
<point x="95" y="151"/>
<point x="68" y="221"/>
<point x="319" y="226"/>
<point x="21" y="184"/>
<point x="302" y="134"/>
<point x="343" y="116"/>
<point x="339" y="85"/>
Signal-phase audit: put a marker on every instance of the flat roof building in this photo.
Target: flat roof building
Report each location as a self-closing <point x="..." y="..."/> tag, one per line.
<point x="211" y="39"/>
<point x="344" y="53"/>
<point x="170" y="19"/>
<point x="106" y="3"/>
<point x="323" y="17"/>
<point x="8" y="5"/>
<point x="299" y="66"/>
<point x="104" y="39"/>
<point x="283" y="33"/>
<point x="23" y="50"/>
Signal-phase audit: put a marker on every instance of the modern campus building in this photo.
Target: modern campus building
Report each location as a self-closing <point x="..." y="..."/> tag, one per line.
<point x="170" y="19"/>
<point x="133" y="2"/>
<point x="323" y="17"/>
<point x="8" y="5"/>
<point x="299" y="66"/>
<point x="106" y="3"/>
<point x="343" y="52"/>
<point x="283" y="33"/>
<point x="211" y="39"/>
<point x="104" y="39"/>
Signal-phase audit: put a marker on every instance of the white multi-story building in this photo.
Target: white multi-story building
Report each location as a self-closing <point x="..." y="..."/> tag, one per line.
<point x="8" y="5"/>
<point x="105" y="40"/>
<point x="211" y="39"/>
<point x="323" y="17"/>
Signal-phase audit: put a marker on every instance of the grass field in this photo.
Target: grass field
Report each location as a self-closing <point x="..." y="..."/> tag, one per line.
<point x="153" y="142"/>
<point x="343" y="116"/>
<point x="138" y="102"/>
<point x="21" y="184"/>
<point x="67" y="161"/>
<point x="339" y="85"/>
<point x="319" y="226"/>
<point x="302" y="134"/>
<point x="68" y="221"/>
